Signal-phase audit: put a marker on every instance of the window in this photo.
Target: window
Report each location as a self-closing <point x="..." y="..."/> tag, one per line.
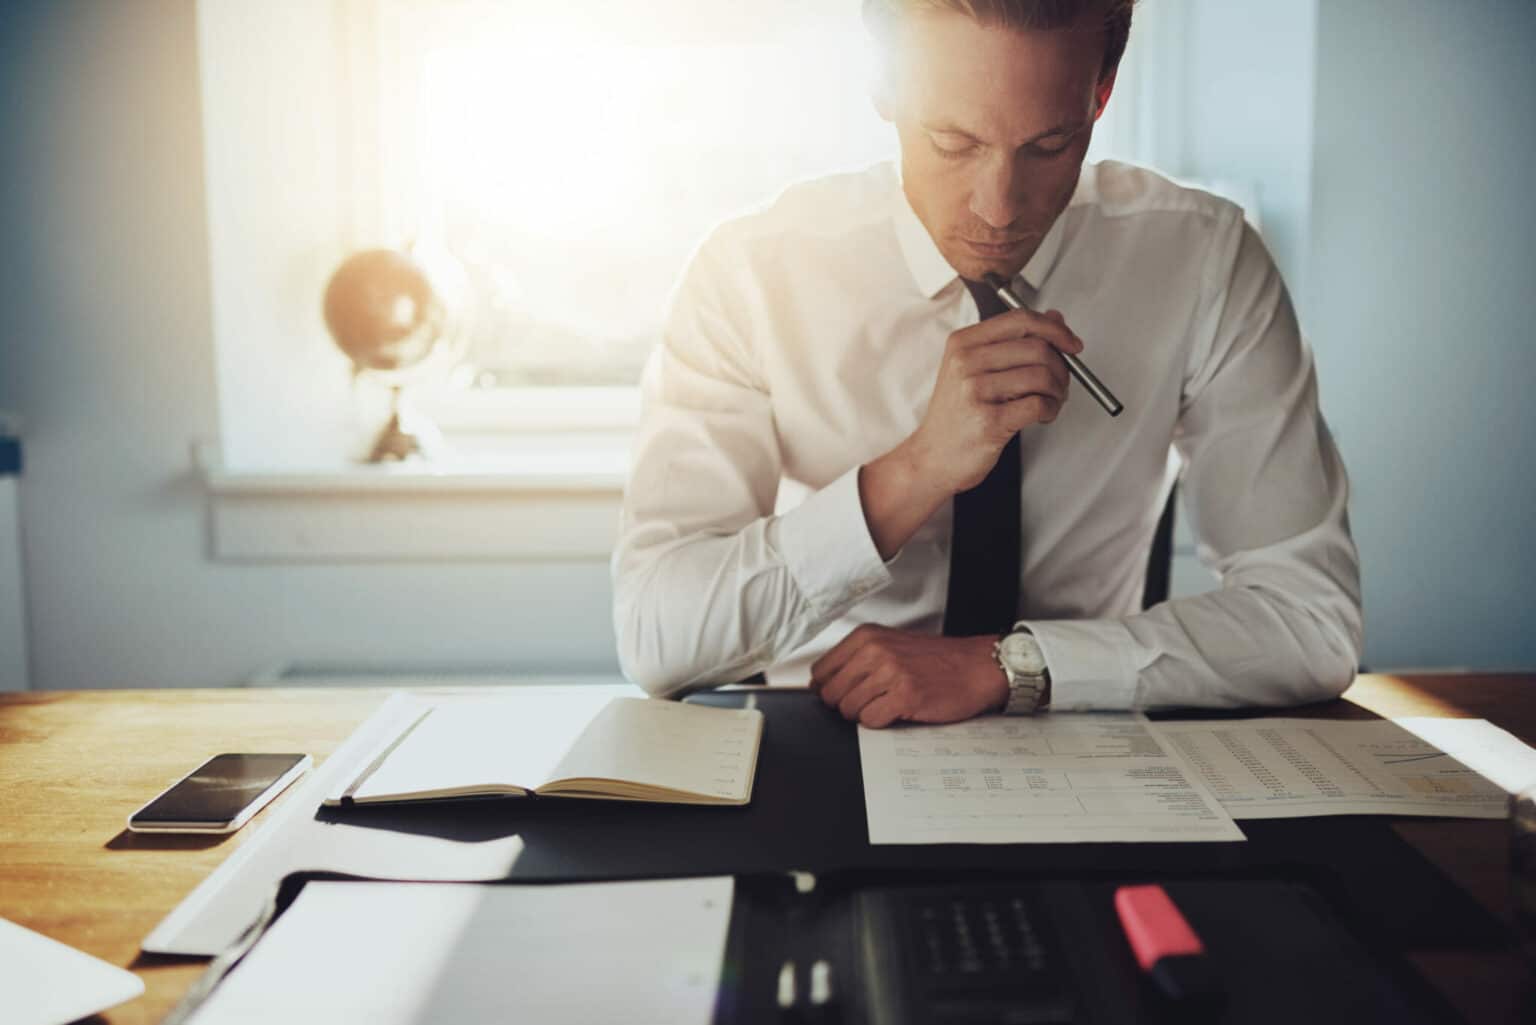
<point x="570" y="154"/>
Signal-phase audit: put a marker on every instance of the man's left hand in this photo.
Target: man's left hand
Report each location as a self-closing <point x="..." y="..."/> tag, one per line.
<point x="878" y="676"/>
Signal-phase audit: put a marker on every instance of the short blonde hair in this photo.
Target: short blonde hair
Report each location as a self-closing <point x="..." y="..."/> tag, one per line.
<point x="880" y="15"/>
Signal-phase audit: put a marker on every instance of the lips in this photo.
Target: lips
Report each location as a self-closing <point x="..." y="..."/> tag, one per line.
<point x="994" y="248"/>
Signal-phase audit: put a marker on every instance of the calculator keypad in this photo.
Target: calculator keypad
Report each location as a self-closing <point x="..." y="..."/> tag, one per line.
<point x="982" y="954"/>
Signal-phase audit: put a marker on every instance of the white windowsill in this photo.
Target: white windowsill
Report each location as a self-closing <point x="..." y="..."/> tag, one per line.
<point x="383" y="481"/>
<point x="547" y="501"/>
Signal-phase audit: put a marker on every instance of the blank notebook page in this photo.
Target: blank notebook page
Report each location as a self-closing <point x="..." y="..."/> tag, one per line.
<point x="514" y="739"/>
<point x="666" y="744"/>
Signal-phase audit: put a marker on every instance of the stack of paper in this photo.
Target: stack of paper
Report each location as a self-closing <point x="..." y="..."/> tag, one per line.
<point x="1119" y="777"/>
<point x="413" y="953"/>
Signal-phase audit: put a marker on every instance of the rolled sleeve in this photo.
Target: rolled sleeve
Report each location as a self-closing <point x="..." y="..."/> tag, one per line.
<point x="826" y="546"/>
<point x="1094" y="663"/>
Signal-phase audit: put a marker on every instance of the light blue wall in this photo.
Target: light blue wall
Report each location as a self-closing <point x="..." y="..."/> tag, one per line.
<point x="1237" y="116"/>
<point x="106" y="351"/>
<point x="1236" y="106"/>
<point x="1422" y="259"/>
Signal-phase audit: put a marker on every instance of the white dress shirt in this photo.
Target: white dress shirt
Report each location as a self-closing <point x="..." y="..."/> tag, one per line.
<point x="804" y="341"/>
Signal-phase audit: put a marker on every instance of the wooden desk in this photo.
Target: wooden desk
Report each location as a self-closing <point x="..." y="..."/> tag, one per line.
<point x="73" y="765"/>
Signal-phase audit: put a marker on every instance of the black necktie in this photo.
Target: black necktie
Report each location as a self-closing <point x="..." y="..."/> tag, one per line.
<point x="984" y="548"/>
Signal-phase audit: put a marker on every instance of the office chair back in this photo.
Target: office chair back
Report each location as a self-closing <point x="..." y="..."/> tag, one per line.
<point x="1160" y="560"/>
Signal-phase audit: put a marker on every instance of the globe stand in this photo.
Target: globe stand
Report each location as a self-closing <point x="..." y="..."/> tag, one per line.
<point x="407" y="434"/>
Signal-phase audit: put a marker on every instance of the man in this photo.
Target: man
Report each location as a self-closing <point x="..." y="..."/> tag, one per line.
<point x="851" y="463"/>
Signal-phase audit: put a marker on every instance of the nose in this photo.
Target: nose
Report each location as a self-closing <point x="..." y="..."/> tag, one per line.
<point x="996" y="195"/>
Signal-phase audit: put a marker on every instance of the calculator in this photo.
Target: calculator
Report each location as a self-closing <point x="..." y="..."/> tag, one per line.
<point x="988" y="954"/>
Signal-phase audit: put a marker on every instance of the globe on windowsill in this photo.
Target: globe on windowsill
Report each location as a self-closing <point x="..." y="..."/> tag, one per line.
<point x="395" y="315"/>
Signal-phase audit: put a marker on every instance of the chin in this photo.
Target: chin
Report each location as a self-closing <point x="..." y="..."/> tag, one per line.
<point x="975" y="267"/>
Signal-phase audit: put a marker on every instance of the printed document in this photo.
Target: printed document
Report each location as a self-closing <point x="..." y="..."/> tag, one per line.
<point x="1060" y="778"/>
<point x="644" y="953"/>
<point x="1275" y="768"/>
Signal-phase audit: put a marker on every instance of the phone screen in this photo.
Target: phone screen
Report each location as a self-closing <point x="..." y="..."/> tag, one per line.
<point x="218" y="789"/>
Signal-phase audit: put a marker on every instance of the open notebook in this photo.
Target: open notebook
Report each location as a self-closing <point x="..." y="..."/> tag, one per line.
<point x="564" y="743"/>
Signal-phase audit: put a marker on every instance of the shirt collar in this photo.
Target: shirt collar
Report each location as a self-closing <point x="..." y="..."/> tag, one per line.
<point x="931" y="272"/>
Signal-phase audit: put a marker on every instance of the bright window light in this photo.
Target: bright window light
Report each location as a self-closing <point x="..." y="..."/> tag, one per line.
<point x="572" y="154"/>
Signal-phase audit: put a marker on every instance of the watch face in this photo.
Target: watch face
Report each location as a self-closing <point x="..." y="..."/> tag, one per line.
<point x="1022" y="654"/>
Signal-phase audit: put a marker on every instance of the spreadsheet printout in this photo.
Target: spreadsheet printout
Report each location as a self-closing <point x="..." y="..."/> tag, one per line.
<point x="1061" y="778"/>
<point x="1278" y="768"/>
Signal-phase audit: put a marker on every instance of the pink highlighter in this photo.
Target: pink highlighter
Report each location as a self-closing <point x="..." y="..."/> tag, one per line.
<point x="1166" y="948"/>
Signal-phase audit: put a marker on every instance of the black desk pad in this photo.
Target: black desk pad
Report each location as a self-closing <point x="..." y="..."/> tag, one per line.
<point x="1279" y="952"/>
<point x="807" y="813"/>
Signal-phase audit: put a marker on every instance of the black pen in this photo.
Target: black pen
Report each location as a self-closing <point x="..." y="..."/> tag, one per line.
<point x="1105" y="397"/>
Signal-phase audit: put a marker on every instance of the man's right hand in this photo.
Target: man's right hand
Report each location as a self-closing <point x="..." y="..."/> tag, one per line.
<point x="997" y="377"/>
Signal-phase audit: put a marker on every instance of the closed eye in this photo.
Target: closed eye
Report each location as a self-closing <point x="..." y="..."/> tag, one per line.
<point x="1053" y="145"/>
<point x="951" y="146"/>
<point x="1052" y="149"/>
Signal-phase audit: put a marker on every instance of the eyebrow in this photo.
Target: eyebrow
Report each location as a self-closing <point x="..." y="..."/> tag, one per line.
<point x="1061" y="129"/>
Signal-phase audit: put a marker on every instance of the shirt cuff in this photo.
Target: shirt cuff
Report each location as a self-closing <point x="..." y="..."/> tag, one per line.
<point x="1093" y="663"/>
<point x="825" y="543"/>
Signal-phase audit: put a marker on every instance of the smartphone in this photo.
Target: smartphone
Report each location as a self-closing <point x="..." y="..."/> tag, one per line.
<point x="220" y="795"/>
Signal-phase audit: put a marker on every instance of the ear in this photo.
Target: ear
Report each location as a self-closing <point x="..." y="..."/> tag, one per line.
<point x="880" y="93"/>
<point x="882" y="101"/>
<point x="1101" y="93"/>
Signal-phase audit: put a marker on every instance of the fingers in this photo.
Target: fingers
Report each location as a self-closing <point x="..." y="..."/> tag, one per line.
<point x="1012" y="368"/>
<point x="873" y="702"/>
<point x="1031" y="409"/>
<point x="1050" y="380"/>
<point x="872" y="686"/>
<point x="1005" y="354"/>
<point x="828" y="665"/>
<point x="881" y="712"/>
<point x="847" y="677"/>
<point x="1051" y="327"/>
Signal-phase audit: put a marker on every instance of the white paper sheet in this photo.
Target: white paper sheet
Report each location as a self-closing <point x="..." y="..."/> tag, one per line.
<point x="45" y="982"/>
<point x="1275" y="768"/>
<point x="1048" y="779"/>
<point x="462" y="741"/>
<point x="644" y="953"/>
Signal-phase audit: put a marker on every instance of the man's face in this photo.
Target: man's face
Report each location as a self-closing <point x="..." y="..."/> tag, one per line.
<point x="994" y="125"/>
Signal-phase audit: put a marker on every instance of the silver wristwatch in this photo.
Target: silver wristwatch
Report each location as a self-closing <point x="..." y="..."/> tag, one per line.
<point x="1019" y="656"/>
